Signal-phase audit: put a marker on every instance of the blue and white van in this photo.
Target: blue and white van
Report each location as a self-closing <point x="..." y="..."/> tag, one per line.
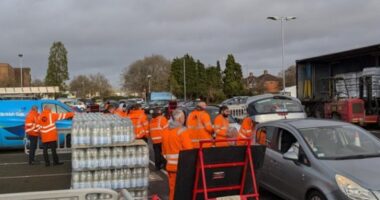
<point x="12" y="119"/>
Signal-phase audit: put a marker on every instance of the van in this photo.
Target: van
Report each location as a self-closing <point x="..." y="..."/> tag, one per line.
<point x="12" y="120"/>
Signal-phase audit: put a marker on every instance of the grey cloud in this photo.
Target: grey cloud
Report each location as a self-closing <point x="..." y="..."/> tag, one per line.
<point x="106" y="36"/>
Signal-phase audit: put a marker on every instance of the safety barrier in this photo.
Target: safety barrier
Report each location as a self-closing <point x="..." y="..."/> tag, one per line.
<point x="64" y="143"/>
<point x="80" y="194"/>
<point x="238" y="111"/>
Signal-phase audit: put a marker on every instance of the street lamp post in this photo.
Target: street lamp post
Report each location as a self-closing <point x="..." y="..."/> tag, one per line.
<point x="184" y="78"/>
<point x="20" y="63"/>
<point x="282" y="19"/>
<point x="149" y="77"/>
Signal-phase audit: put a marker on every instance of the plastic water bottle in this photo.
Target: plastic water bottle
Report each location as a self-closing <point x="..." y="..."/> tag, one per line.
<point x="76" y="180"/>
<point x="139" y="178"/>
<point x="96" y="179"/>
<point x="102" y="179"/>
<point x="87" y="136"/>
<point x="145" y="156"/>
<point x="75" y="162"/>
<point x="133" y="178"/>
<point x="132" y="156"/>
<point x="145" y="177"/>
<point x="81" y="159"/>
<point x="95" y="134"/>
<point x="82" y="180"/>
<point x="74" y="134"/>
<point x="101" y="159"/>
<point x="88" y="180"/>
<point x="115" y="133"/>
<point x="127" y="159"/>
<point x="102" y="139"/>
<point x="108" y="134"/>
<point x="81" y="134"/>
<point x="128" y="177"/>
<point x="139" y="153"/>
<point x="108" y="158"/>
<point x="93" y="160"/>
<point x="114" y="182"/>
<point x="122" y="178"/>
<point x="108" y="179"/>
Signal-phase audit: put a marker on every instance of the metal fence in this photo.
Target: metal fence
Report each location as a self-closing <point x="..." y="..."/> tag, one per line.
<point x="64" y="143"/>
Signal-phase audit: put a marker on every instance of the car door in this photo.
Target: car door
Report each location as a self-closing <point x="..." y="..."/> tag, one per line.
<point x="265" y="173"/>
<point x="288" y="176"/>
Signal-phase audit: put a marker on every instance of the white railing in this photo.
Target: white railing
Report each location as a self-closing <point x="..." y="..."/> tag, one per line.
<point x="63" y="146"/>
<point x="79" y="194"/>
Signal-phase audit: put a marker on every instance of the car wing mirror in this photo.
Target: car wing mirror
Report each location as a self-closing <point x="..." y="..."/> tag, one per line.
<point x="290" y="155"/>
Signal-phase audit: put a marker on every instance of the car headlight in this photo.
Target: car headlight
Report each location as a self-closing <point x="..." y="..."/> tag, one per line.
<point x="353" y="190"/>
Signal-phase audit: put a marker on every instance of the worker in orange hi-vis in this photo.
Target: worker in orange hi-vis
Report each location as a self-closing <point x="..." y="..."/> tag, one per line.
<point x="49" y="133"/>
<point x="121" y="111"/>
<point x="221" y="125"/>
<point x="246" y="130"/>
<point x="200" y="123"/>
<point x="174" y="140"/>
<point x="140" y="122"/>
<point x="158" y="124"/>
<point x="31" y="129"/>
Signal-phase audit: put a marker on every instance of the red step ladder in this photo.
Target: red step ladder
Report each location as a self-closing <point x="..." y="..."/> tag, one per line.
<point x="247" y="163"/>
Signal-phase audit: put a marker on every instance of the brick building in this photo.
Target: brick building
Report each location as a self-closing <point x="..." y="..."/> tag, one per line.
<point x="11" y="77"/>
<point x="265" y="83"/>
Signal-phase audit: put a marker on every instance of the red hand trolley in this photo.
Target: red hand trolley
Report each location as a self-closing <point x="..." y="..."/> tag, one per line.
<point x="246" y="164"/>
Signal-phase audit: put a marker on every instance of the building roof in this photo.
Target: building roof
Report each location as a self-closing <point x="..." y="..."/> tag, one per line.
<point x="343" y="54"/>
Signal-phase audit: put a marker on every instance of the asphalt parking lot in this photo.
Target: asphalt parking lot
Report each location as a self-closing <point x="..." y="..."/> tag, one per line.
<point x="17" y="176"/>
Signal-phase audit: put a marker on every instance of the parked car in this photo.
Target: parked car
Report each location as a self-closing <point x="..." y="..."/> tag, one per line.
<point x="270" y="107"/>
<point x="320" y="159"/>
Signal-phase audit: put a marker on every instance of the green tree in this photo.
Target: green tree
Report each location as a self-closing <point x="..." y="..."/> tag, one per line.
<point x="232" y="78"/>
<point x="57" y="71"/>
<point x="214" y="84"/>
<point x="195" y="77"/>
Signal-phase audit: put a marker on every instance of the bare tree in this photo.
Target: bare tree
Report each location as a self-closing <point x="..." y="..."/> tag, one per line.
<point x="290" y="76"/>
<point x="80" y="85"/>
<point x="99" y="84"/>
<point x="135" y="76"/>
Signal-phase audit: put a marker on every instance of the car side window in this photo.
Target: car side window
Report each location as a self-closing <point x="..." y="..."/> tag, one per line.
<point x="61" y="110"/>
<point x="285" y="141"/>
<point x="264" y="136"/>
<point x="51" y="106"/>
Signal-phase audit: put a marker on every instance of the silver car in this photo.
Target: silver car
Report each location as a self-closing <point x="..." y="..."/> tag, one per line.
<point x="320" y="159"/>
<point x="270" y="107"/>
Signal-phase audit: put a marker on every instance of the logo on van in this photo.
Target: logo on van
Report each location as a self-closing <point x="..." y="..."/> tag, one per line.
<point x="12" y="114"/>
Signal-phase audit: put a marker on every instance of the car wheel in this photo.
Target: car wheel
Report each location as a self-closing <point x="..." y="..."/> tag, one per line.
<point x="316" y="195"/>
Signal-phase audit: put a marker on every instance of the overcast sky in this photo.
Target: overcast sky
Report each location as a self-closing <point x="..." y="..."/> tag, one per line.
<point x="107" y="36"/>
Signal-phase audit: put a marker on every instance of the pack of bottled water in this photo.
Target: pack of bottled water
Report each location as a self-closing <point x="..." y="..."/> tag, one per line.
<point x="135" y="178"/>
<point x="100" y="129"/>
<point x="110" y="157"/>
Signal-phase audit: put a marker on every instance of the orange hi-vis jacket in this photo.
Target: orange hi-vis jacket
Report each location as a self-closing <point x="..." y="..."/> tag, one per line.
<point x="261" y="137"/>
<point x="46" y="121"/>
<point x="221" y="125"/>
<point x="31" y="127"/>
<point x="200" y="124"/>
<point x="175" y="140"/>
<point x="156" y="128"/>
<point x="140" y="123"/>
<point x="121" y="113"/>
<point x="246" y="130"/>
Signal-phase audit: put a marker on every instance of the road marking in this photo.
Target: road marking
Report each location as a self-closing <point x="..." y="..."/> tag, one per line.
<point x="34" y="176"/>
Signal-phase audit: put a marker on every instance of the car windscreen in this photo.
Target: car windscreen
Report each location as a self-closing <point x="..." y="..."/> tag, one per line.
<point x="341" y="142"/>
<point x="274" y="105"/>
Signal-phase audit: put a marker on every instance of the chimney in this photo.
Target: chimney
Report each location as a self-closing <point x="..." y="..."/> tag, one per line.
<point x="265" y="71"/>
<point x="250" y="74"/>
